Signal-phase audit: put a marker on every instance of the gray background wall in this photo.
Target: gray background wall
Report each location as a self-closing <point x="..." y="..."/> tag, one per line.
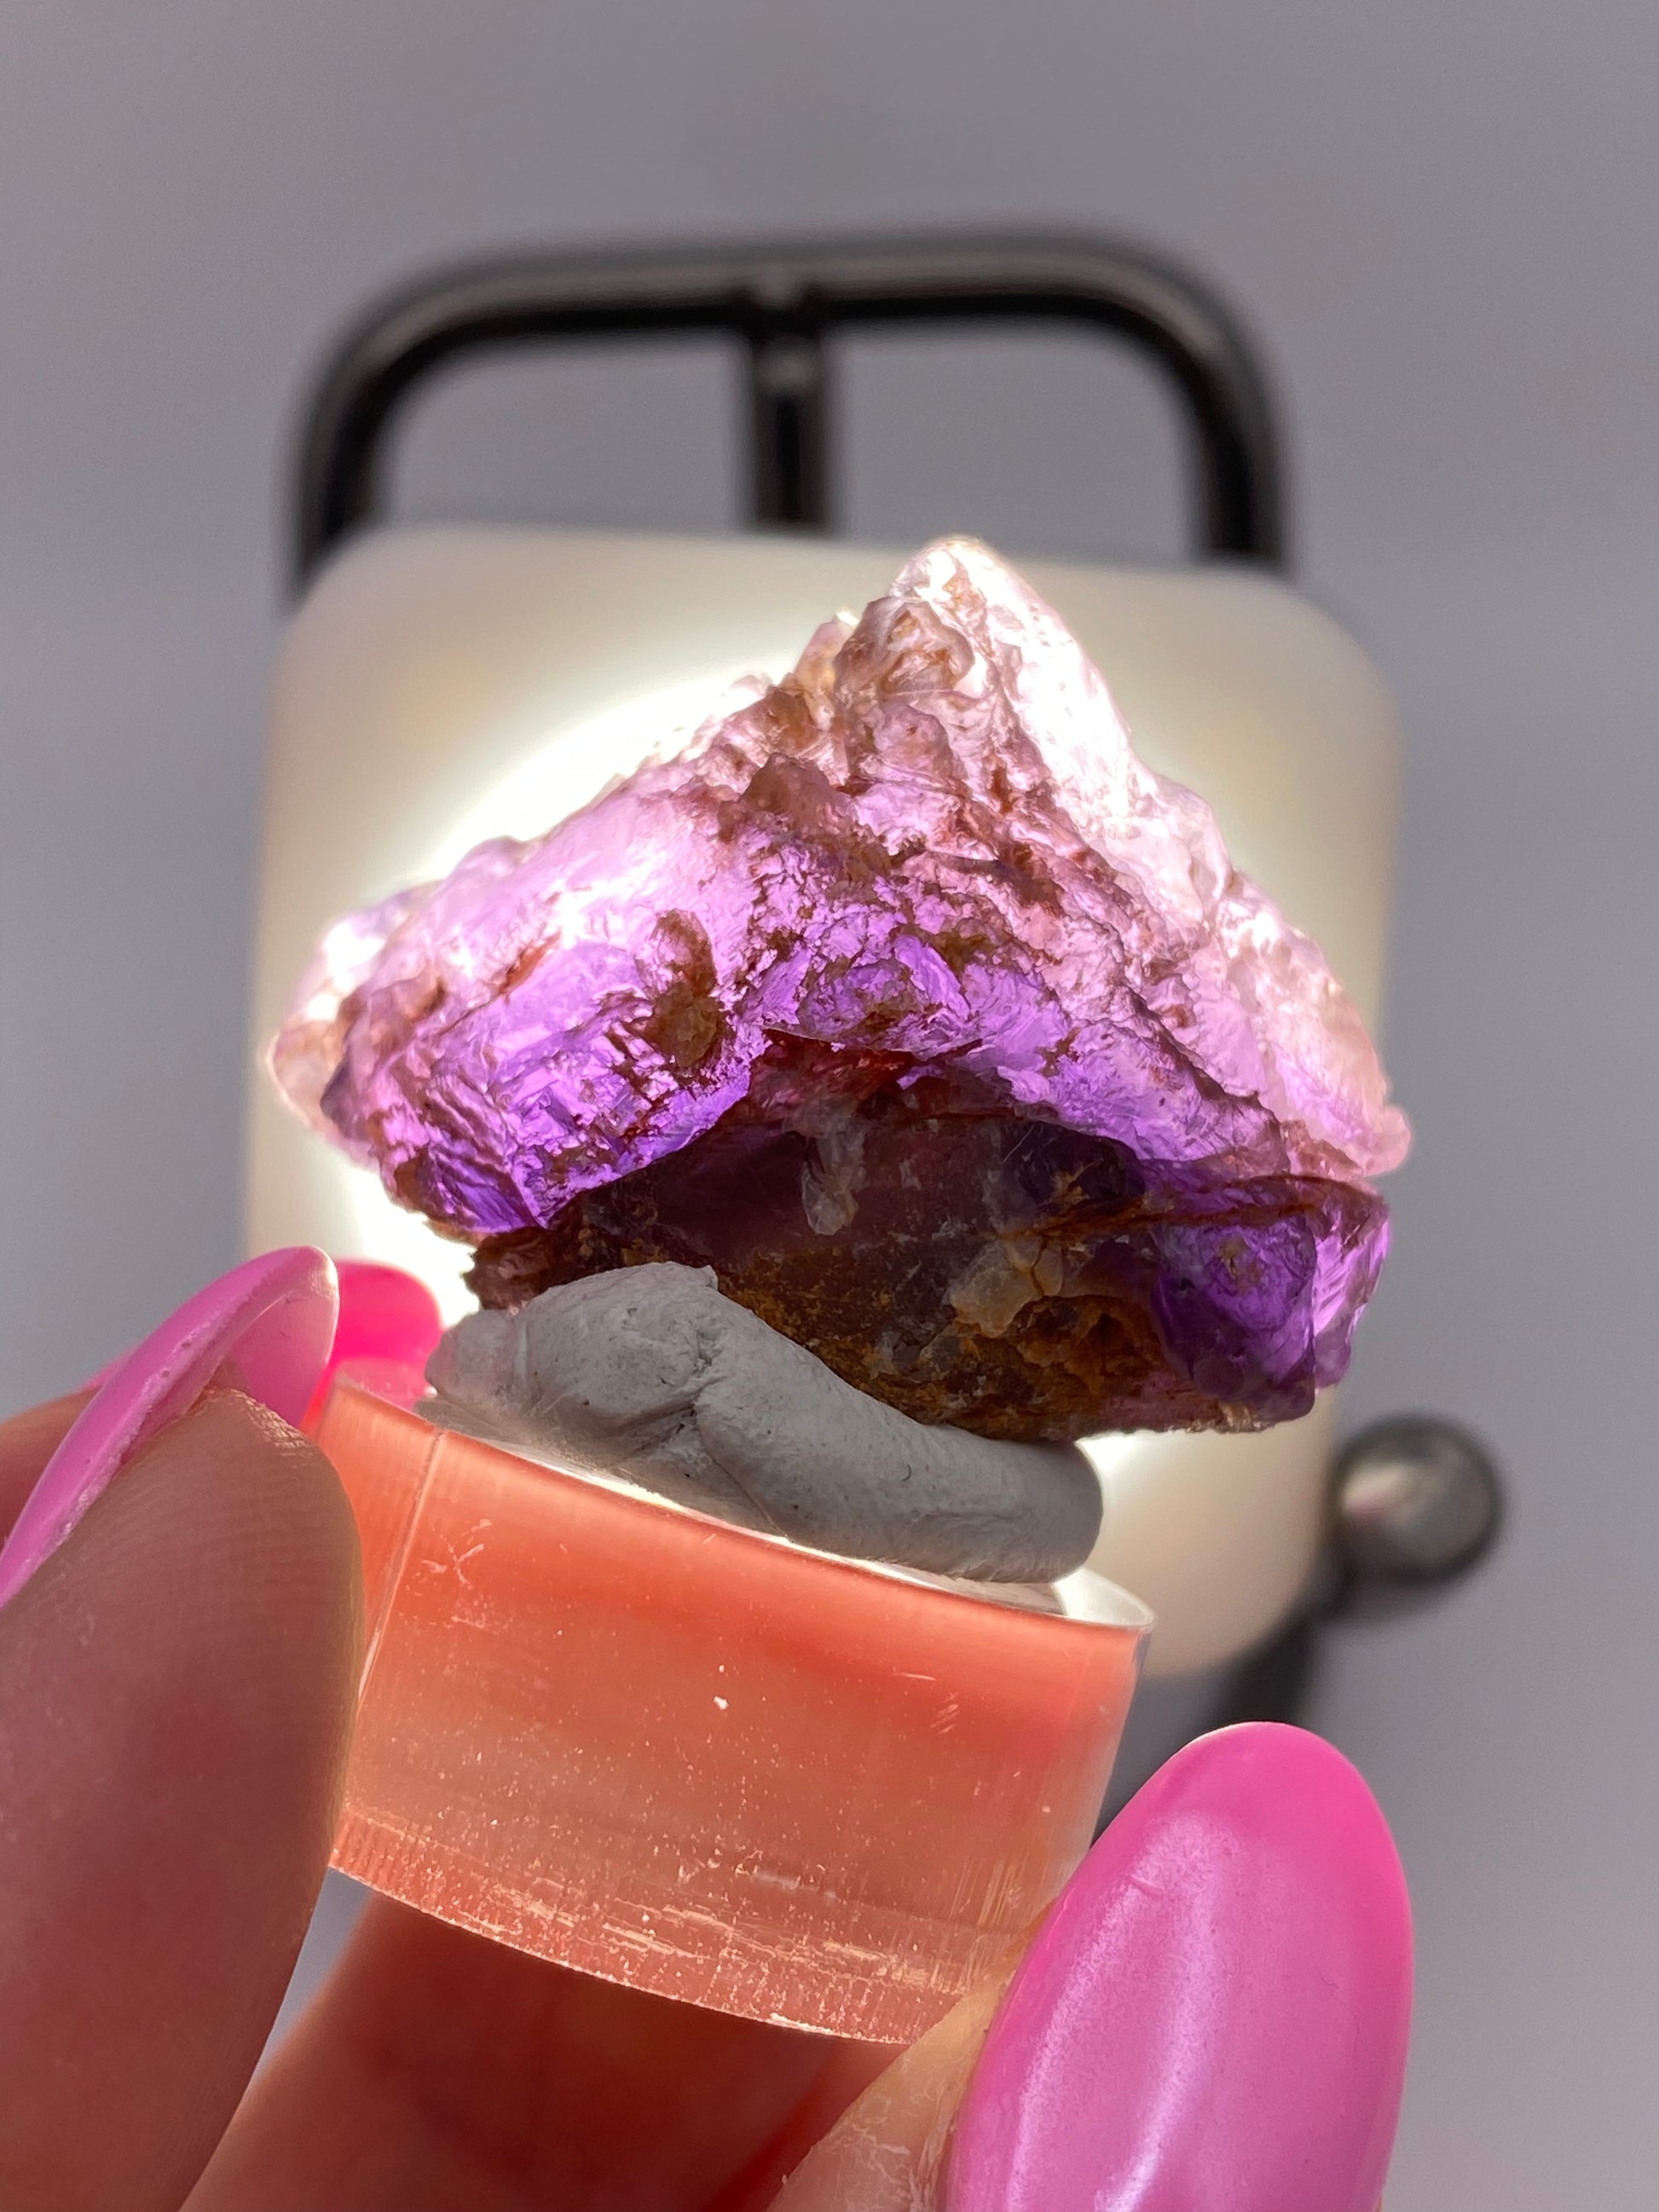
<point x="1442" y="219"/>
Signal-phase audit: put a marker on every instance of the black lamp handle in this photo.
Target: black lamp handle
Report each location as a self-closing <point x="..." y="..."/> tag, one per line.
<point x="781" y="301"/>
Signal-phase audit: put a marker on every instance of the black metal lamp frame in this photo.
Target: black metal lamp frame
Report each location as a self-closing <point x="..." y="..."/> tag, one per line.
<point x="782" y="304"/>
<point x="1415" y="1501"/>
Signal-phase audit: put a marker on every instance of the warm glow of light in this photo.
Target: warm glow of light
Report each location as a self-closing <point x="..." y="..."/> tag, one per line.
<point x="570" y="767"/>
<point x="1108" y="1453"/>
<point x="401" y="1239"/>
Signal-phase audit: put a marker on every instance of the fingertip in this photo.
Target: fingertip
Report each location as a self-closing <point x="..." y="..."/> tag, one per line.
<point x="389" y="1324"/>
<point x="179" y="1679"/>
<point x="269" y="1322"/>
<point x="28" y="1441"/>
<point x="1218" y="2008"/>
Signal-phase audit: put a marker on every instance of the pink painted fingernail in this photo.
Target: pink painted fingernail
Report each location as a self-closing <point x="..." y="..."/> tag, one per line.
<point x="1215" y="2012"/>
<point x="270" y="1321"/>
<point x="388" y="1327"/>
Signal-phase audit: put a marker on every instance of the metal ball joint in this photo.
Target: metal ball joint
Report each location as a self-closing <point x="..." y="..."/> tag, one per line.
<point x="1416" y="1502"/>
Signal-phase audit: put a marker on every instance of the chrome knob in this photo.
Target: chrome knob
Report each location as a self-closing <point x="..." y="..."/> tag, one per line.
<point x="1418" y="1501"/>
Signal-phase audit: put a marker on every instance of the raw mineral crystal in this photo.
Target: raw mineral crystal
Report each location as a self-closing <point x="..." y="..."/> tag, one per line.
<point x="905" y="997"/>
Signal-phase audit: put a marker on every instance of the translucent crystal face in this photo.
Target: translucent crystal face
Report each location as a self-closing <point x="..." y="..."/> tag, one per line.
<point x="907" y="997"/>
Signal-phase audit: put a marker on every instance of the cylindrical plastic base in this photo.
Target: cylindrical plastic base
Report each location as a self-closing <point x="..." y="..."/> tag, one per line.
<point x="702" y="1761"/>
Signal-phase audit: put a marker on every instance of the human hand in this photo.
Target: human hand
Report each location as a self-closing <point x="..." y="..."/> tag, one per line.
<point x="1214" y="2015"/>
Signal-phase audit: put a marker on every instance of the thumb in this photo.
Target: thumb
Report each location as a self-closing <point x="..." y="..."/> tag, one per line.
<point x="176" y="1684"/>
<point x="1215" y="2012"/>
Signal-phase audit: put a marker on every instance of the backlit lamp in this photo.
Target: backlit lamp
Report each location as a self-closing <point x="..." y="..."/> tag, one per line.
<point x="438" y="685"/>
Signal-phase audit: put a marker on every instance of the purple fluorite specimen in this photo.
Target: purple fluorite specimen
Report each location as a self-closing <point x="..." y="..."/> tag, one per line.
<point x="907" y="999"/>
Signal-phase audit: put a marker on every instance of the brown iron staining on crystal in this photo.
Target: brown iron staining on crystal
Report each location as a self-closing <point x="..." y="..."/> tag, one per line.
<point x="964" y="1263"/>
<point x="685" y="1023"/>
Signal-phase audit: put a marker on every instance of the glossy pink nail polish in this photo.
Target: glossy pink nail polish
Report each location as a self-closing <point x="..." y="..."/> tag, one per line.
<point x="1215" y="2014"/>
<point x="388" y="1324"/>
<point x="269" y="1324"/>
